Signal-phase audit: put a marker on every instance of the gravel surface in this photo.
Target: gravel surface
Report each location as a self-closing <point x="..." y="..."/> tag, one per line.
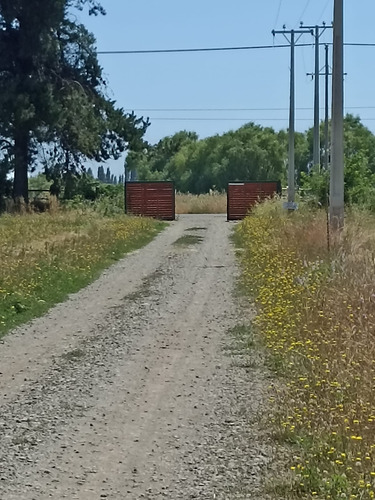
<point x="134" y="388"/>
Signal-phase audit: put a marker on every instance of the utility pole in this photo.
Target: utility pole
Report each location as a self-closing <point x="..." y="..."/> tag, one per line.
<point x="318" y="32"/>
<point x="326" y="74"/>
<point x="326" y="117"/>
<point x="316" y="147"/>
<point x="337" y="164"/>
<point x="291" y="164"/>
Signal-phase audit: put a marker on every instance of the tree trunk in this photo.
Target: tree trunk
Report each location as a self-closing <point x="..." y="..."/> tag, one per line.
<point x="21" y="163"/>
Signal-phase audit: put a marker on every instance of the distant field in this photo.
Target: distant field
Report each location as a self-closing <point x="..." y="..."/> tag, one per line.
<point x="201" y="204"/>
<point x="44" y="257"/>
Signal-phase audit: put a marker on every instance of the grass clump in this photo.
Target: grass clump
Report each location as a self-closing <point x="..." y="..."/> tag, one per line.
<point x="316" y="310"/>
<point x="196" y="229"/>
<point x="74" y="355"/>
<point x="45" y="257"/>
<point x="215" y="203"/>
<point x="188" y="239"/>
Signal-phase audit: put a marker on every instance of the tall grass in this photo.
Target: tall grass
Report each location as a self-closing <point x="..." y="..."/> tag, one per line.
<point x="316" y="310"/>
<point x="201" y="204"/>
<point x="43" y="257"/>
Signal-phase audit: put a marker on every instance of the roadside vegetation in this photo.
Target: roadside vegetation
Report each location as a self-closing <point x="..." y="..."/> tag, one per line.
<point x="45" y="257"/>
<point x="215" y="203"/>
<point x="316" y="313"/>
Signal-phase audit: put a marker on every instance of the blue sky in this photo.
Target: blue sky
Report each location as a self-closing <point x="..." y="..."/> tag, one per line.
<point x="257" y="80"/>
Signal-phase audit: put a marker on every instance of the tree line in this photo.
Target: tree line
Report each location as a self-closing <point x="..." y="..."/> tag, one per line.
<point x="106" y="176"/>
<point x="256" y="153"/>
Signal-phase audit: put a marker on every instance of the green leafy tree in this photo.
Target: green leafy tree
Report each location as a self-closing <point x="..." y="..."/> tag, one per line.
<point x="359" y="175"/>
<point x="358" y="139"/>
<point x="39" y="182"/>
<point x="316" y="183"/>
<point x="250" y="153"/>
<point x="151" y="162"/>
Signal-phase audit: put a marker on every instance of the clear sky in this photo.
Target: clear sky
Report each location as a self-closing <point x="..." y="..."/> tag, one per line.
<point x="180" y="91"/>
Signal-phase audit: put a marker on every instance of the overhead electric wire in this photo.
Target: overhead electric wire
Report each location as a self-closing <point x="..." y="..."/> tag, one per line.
<point x="197" y="110"/>
<point x="324" y="10"/>
<point x="201" y="49"/>
<point x="220" y="49"/>
<point x="200" y="119"/>
<point x="278" y="13"/>
<point x="247" y="120"/>
<point x="214" y="110"/>
<point x="304" y="11"/>
<point x="360" y="44"/>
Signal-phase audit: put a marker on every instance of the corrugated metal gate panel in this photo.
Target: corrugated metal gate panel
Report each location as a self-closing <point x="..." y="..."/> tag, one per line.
<point x="151" y="199"/>
<point x="244" y="195"/>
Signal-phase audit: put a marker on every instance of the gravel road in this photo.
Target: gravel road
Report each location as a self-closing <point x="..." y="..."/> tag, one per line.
<point x="133" y="388"/>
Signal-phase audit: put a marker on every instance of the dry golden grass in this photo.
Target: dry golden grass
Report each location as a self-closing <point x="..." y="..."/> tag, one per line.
<point x="316" y="310"/>
<point x="37" y="204"/>
<point x="201" y="204"/>
<point x="43" y="257"/>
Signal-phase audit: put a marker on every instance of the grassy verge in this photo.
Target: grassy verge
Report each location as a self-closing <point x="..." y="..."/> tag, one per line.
<point x="201" y="204"/>
<point x="45" y="257"/>
<point x="316" y="312"/>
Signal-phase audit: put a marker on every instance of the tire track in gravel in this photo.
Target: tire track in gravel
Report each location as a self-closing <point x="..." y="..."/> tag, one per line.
<point x="142" y="402"/>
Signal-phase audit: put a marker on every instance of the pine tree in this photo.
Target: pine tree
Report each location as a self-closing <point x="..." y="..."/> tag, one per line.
<point x="108" y="176"/>
<point x="101" y="174"/>
<point x="52" y="92"/>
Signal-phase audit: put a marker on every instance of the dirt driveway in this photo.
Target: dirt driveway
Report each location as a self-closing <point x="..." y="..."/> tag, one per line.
<point x="133" y="388"/>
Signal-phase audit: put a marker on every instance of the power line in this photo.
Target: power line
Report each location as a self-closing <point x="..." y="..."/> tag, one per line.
<point x="198" y="119"/>
<point x="252" y="119"/>
<point x="323" y="12"/>
<point x="197" y="110"/>
<point x="304" y="10"/>
<point x="359" y="44"/>
<point x="220" y="49"/>
<point x="214" y="110"/>
<point x="204" y="49"/>
<point x="278" y="13"/>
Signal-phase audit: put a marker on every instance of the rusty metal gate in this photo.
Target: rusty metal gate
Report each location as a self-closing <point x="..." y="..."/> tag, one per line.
<point x="242" y="196"/>
<point x="150" y="199"/>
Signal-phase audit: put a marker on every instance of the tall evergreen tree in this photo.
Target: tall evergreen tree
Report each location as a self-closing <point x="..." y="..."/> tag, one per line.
<point x="101" y="174"/>
<point x="108" y="176"/>
<point x="52" y="92"/>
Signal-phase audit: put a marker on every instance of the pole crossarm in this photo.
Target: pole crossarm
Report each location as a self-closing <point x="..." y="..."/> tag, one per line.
<point x="320" y="28"/>
<point x="321" y="73"/>
<point x="286" y="32"/>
